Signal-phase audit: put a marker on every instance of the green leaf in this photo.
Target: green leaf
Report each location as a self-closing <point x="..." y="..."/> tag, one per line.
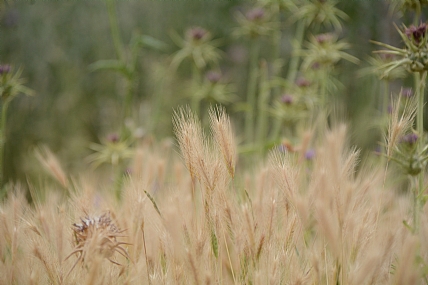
<point x="152" y="43"/>
<point x="111" y="64"/>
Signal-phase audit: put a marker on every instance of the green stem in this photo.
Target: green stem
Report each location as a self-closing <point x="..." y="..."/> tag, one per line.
<point x="420" y="79"/>
<point x="263" y="104"/>
<point x="292" y="72"/>
<point x="297" y="44"/>
<point x="323" y="88"/>
<point x="114" y="27"/>
<point x="157" y="105"/>
<point x="3" y="111"/>
<point x="195" y="101"/>
<point x="251" y="90"/>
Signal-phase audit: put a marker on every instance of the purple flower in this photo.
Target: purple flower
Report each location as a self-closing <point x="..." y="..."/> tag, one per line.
<point x="255" y="14"/>
<point x="302" y="82"/>
<point x="213" y="76"/>
<point x="417" y="33"/>
<point x="324" y="38"/>
<point x="310" y="154"/>
<point x="287" y="99"/>
<point x="4" y="68"/>
<point x="410" y="139"/>
<point x="407" y="92"/>
<point x="113" y="138"/>
<point x="196" y="33"/>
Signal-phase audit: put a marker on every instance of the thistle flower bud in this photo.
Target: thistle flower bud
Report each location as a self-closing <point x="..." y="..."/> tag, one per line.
<point x="4" y="69"/>
<point x="416" y="33"/>
<point x="287" y="99"/>
<point x="407" y="92"/>
<point x="302" y="82"/>
<point x="410" y="139"/>
<point x="213" y="76"/>
<point x="196" y="33"/>
<point x="324" y="38"/>
<point x="255" y="14"/>
<point x="113" y="138"/>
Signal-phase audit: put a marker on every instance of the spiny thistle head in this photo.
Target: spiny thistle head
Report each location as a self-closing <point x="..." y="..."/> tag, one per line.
<point x="196" y="34"/>
<point x="254" y="23"/>
<point x="417" y="34"/>
<point x="198" y="46"/>
<point x="325" y="50"/>
<point x="97" y="236"/>
<point x="321" y="12"/>
<point x="414" y="56"/>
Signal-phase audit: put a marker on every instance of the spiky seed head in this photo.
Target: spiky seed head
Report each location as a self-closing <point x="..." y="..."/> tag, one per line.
<point x="97" y="236"/>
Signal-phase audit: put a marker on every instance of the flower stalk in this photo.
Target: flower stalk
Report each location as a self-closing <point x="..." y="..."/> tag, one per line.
<point x="251" y="90"/>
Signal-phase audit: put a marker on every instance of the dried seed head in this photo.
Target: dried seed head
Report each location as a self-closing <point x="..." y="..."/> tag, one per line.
<point x="97" y="236"/>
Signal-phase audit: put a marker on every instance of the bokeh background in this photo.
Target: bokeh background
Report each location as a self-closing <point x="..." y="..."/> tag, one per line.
<point x="55" y="42"/>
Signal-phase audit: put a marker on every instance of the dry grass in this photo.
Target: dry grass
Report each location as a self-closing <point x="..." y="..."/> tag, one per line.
<point x="292" y="221"/>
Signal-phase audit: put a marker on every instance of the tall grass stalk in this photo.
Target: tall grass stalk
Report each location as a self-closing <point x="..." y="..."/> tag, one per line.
<point x="3" y="110"/>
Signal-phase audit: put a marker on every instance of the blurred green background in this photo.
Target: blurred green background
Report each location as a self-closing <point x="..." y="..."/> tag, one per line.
<point x="55" y="42"/>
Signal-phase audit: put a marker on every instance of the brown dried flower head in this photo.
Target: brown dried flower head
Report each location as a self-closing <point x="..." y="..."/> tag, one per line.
<point x="97" y="236"/>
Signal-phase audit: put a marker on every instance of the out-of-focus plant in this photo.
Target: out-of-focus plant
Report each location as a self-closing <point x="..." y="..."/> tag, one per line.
<point x="414" y="58"/>
<point x="202" y="50"/>
<point x="320" y="12"/>
<point x="409" y="5"/>
<point x="115" y="152"/>
<point x="214" y="90"/>
<point x="322" y="53"/>
<point x="126" y="62"/>
<point x="11" y="85"/>
<point x="254" y="24"/>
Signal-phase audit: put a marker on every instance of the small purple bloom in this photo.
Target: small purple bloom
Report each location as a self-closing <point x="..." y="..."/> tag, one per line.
<point x="410" y="139"/>
<point x="4" y="69"/>
<point x="324" y="38"/>
<point x="287" y="99"/>
<point x="302" y="82"/>
<point x="407" y="92"/>
<point x="213" y="76"/>
<point x="196" y="33"/>
<point x="310" y="154"/>
<point x="255" y="14"/>
<point x="113" y="138"/>
<point x="417" y="33"/>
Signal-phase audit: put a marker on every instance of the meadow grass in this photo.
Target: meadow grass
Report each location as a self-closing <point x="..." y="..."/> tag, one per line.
<point x="202" y="218"/>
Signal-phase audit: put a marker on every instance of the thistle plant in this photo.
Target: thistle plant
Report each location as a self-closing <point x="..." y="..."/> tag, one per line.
<point x="214" y="90"/>
<point x="115" y="152"/>
<point x="199" y="47"/>
<point x="126" y="62"/>
<point x="321" y="54"/>
<point x="414" y="58"/>
<point x="11" y="85"/>
<point x="256" y="23"/>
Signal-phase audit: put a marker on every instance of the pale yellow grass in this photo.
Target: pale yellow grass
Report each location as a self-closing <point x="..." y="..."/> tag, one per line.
<point x="290" y="221"/>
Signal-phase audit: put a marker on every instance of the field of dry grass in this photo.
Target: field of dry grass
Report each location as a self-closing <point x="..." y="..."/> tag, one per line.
<point x="201" y="217"/>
